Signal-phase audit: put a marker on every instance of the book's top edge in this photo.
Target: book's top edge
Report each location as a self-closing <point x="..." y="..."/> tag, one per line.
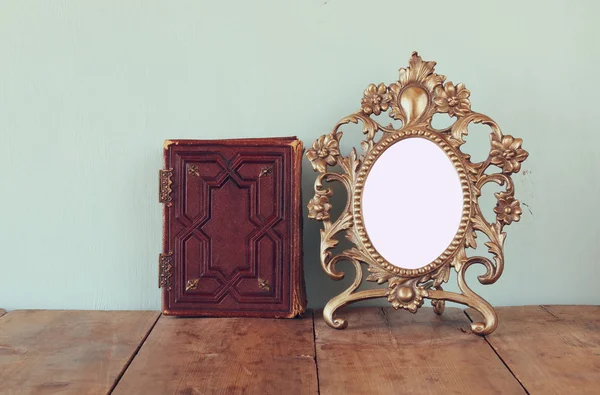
<point x="236" y="141"/>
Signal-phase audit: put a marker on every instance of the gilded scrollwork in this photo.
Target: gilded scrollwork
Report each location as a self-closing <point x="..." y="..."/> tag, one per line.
<point x="165" y="180"/>
<point x="418" y="94"/>
<point x="324" y="151"/>
<point x="376" y="99"/>
<point x="403" y="293"/>
<point x="319" y="206"/>
<point x="165" y="270"/>
<point x="453" y="100"/>
<point x="507" y="209"/>
<point x="507" y="153"/>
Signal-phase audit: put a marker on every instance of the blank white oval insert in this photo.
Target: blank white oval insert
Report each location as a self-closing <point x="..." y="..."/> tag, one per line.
<point x="412" y="203"/>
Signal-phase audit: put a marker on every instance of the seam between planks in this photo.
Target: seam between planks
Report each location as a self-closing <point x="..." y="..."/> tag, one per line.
<point x="315" y="351"/>
<point x="549" y="312"/>
<point x="500" y="358"/>
<point x="133" y="355"/>
<point x="385" y="317"/>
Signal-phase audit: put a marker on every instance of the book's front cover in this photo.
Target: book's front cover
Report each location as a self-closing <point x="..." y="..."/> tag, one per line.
<point x="232" y="237"/>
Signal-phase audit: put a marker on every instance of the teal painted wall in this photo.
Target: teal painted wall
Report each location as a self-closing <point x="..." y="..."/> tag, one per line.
<point x="90" y="89"/>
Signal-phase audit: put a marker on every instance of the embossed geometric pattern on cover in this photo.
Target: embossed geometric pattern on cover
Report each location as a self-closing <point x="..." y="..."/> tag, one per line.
<point x="232" y="228"/>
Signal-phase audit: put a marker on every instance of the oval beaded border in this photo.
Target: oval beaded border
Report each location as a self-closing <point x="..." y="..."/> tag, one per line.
<point x="364" y="170"/>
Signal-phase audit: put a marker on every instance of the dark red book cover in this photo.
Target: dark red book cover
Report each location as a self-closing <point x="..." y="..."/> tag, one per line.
<point x="232" y="236"/>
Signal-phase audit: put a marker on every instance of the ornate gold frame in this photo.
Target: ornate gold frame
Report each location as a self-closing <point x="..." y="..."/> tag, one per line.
<point x="414" y="99"/>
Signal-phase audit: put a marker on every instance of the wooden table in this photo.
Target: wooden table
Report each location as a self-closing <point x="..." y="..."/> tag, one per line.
<point x="536" y="350"/>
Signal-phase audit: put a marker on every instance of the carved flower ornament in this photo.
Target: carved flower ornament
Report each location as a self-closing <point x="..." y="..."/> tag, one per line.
<point x="375" y="99"/>
<point x="507" y="153"/>
<point x="405" y="296"/>
<point x="452" y="99"/>
<point x="507" y="209"/>
<point x="324" y="152"/>
<point x="319" y="206"/>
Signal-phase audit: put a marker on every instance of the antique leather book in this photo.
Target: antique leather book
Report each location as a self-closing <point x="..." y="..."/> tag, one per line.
<point x="232" y="236"/>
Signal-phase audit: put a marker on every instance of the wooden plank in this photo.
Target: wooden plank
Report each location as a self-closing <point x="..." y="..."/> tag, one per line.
<point x="384" y="351"/>
<point x="574" y="313"/>
<point x="2" y="312"/>
<point x="224" y="356"/>
<point x="551" y="350"/>
<point x="71" y="352"/>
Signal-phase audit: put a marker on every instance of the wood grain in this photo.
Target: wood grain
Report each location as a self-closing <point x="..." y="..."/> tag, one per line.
<point x="71" y="352"/>
<point x="384" y="351"/>
<point x="574" y="313"/>
<point x="224" y="356"/>
<point x="551" y="349"/>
